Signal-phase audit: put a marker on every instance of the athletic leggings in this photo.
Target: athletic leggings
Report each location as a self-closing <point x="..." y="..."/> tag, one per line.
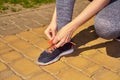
<point x="107" y="21"/>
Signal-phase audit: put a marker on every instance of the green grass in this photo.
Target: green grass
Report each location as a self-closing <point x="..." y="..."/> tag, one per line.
<point x="24" y="3"/>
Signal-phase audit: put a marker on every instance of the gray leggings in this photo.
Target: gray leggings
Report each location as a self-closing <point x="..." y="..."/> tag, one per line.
<point x="107" y="21"/>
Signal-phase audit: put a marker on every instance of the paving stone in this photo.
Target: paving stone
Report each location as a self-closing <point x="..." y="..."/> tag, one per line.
<point x="2" y="67"/>
<point x="43" y="76"/>
<point x="5" y="74"/>
<point x="107" y="61"/>
<point x="21" y="20"/>
<point x="106" y="75"/>
<point x="91" y="69"/>
<point x="75" y="75"/>
<point x="11" y="56"/>
<point x="43" y="17"/>
<point x="111" y="48"/>
<point x="13" y="77"/>
<point x="40" y="30"/>
<point x="43" y="43"/>
<point x="20" y="44"/>
<point x="9" y="26"/>
<point x="10" y="31"/>
<point x="25" y="67"/>
<point x="55" y="67"/>
<point x="10" y="38"/>
<point x="29" y="36"/>
<point x="2" y="45"/>
<point x="103" y="50"/>
<point x="32" y="52"/>
<point x="4" y="48"/>
<point x="89" y="53"/>
<point x="79" y="62"/>
<point x="97" y="42"/>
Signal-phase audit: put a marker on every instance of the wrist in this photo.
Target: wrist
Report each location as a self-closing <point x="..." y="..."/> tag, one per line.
<point x="73" y="26"/>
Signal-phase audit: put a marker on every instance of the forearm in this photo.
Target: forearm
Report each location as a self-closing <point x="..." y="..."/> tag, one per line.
<point x="53" y="21"/>
<point x="94" y="7"/>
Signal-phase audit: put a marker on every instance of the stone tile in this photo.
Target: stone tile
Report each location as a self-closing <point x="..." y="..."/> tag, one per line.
<point x="55" y="67"/>
<point x="89" y="53"/>
<point x="4" y="48"/>
<point x="97" y="42"/>
<point x="107" y="61"/>
<point x="32" y="52"/>
<point x="78" y="62"/>
<point x="20" y="44"/>
<point x="40" y="30"/>
<point x="111" y="48"/>
<point x="2" y="45"/>
<point x="10" y="38"/>
<point x="11" y="56"/>
<point x="71" y="74"/>
<point x="5" y="74"/>
<point x="106" y="75"/>
<point x="29" y="36"/>
<point x="91" y="69"/>
<point x="10" y="31"/>
<point x="2" y="67"/>
<point x="25" y="67"/>
<point x="43" y="76"/>
<point x="13" y="77"/>
<point x="43" y="43"/>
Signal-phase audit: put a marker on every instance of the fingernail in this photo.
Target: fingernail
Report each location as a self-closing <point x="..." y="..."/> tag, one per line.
<point x="50" y="41"/>
<point x="73" y="43"/>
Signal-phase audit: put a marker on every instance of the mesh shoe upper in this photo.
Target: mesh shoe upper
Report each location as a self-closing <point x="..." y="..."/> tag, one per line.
<point x="48" y="56"/>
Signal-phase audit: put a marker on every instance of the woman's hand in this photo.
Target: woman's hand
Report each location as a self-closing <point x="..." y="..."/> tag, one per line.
<point x="63" y="36"/>
<point x="51" y="31"/>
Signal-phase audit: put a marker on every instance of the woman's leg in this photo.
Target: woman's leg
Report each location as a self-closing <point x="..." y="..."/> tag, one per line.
<point x="64" y="12"/>
<point x="107" y="21"/>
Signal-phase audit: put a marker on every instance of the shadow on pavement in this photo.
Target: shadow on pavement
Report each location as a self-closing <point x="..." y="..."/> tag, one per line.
<point x="89" y="34"/>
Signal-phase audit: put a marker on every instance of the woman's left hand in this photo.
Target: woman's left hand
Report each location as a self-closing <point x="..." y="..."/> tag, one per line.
<point x="63" y="36"/>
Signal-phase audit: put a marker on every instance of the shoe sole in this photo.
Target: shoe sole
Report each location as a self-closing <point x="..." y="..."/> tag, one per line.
<point x="117" y="40"/>
<point x="57" y="58"/>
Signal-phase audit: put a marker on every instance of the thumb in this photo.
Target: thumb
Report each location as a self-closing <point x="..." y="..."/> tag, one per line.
<point x="53" y="34"/>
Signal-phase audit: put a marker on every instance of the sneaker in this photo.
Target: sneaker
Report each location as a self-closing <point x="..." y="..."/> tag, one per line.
<point x="53" y="54"/>
<point x="118" y="39"/>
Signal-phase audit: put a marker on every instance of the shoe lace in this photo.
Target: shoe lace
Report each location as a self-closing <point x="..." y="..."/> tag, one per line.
<point x="51" y="48"/>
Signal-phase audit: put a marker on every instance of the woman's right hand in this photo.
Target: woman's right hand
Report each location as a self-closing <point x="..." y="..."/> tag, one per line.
<point x="51" y="31"/>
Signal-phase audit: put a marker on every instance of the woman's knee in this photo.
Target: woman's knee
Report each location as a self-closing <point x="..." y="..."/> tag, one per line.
<point x="105" y="28"/>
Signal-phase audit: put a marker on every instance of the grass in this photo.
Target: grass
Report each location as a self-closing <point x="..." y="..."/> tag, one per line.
<point x="23" y="3"/>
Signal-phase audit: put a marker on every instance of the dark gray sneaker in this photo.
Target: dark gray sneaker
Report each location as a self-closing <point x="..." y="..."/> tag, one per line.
<point x="52" y="54"/>
<point x="118" y="39"/>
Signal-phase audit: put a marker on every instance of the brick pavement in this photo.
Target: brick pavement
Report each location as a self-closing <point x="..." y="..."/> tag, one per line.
<point x="93" y="59"/>
<point x="32" y="18"/>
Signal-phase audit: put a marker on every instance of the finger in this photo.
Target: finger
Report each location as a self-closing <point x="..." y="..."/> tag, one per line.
<point x="48" y="34"/>
<point x="61" y="43"/>
<point x="53" y="34"/>
<point x="50" y="42"/>
<point x="67" y="39"/>
<point x="55" y="40"/>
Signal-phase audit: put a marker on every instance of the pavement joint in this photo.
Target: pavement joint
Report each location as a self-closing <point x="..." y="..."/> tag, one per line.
<point x="91" y="61"/>
<point x="105" y="67"/>
<point x="11" y="68"/>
